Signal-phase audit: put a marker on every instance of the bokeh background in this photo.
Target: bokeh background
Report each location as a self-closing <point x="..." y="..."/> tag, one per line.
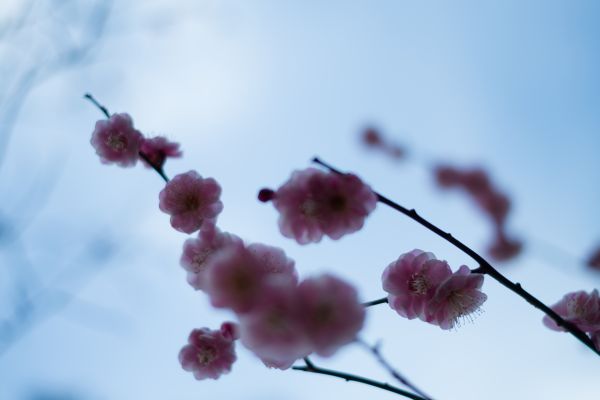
<point x="93" y="302"/>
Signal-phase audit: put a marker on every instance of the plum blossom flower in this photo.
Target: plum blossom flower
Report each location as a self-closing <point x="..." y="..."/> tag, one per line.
<point x="208" y="354"/>
<point x="191" y="200"/>
<point x="235" y="279"/>
<point x="198" y="251"/>
<point x="412" y="281"/>
<point x="594" y="259"/>
<point x="237" y="275"/>
<point x="579" y="308"/>
<point x="274" y="261"/>
<point x="230" y="330"/>
<point x="456" y="298"/>
<point x="504" y="248"/>
<point x="273" y="329"/>
<point x="447" y="176"/>
<point x="116" y="140"/>
<point x="331" y="313"/>
<point x="313" y="203"/>
<point x="495" y="204"/>
<point x="158" y="149"/>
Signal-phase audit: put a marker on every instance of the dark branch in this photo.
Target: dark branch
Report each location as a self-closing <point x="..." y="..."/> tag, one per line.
<point x="310" y="367"/>
<point x="394" y="372"/>
<point x="375" y="302"/>
<point x="484" y="266"/>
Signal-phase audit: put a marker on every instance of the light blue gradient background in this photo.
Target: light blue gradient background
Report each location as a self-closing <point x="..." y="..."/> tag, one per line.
<point x="254" y="89"/>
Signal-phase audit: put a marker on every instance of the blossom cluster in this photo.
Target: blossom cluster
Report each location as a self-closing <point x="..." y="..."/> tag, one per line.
<point x="117" y="142"/>
<point x="421" y="286"/>
<point x="279" y="316"/>
<point x="489" y="199"/>
<point x="281" y="319"/>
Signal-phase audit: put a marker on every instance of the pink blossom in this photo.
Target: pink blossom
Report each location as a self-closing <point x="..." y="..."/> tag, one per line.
<point x="274" y="261"/>
<point x="208" y="354"/>
<point x="191" y="200"/>
<point x="273" y="328"/>
<point x="456" y="298"/>
<point x="197" y="252"/>
<point x="237" y="274"/>
<point x="579" y="308"/>
<point x="594" y="259"/>
<point x="331" y="313"/>
<point x="314" y="203"/>
<point x="496" y="205"/>
<point x="235" y="279"/>
<point x="412" y="281"/>
<point x="372" y="138"/>
<point x="476" y="181"/>
<point x="230" y="331"/>
<point x="116" y="140"/>
<point x="158" y="149"/>
<point x="504" y="248"/>
<point x="447" y="176"/>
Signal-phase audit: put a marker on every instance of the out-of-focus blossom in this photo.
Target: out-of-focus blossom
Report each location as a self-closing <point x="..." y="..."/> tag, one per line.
<point x="594" y="259"/>
<point x="457" y="298"/>
<point x="191" y="200"/>
<point x="235" y="279"/>
<point x="371" y="137"/>
<point x="273" y="328"/>
<point x="116" y="140"/>
<point x="447" y="176"/>
<point x="197" y="252"/>
<point x="230" y="331"/>
<point x="158" y="149"/>
<point x="208" y="354"/>
<point x="331" y="314"/>
<point x="274" y="261"/>
<point x="313" y="203"/>
<point x="476" y="181"/>
<point x="496" y="205"/>
<point x="412" y="281"/>
<point x="504" y="248"/>
<point x="580" y="308"/>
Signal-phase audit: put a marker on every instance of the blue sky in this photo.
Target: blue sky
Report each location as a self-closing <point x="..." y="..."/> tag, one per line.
<point x="252" y="90"/>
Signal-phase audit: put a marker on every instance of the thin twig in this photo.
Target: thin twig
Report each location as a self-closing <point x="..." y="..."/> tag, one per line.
<point x="311" y="367"/>
<point x="375" y="302"/>
<point x="484" y="266"/>
<point x="394" y="372"/>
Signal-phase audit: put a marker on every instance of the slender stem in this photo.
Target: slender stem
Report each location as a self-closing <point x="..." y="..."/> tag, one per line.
<point x="154" y="167"/>
<point x="484" y="266"/>
<point x="97" y="104"/>
<point x="375" y="302"/>
<point x="143" y="156"/>
<point x="310" y="367"/>
<point x="394" y="372"/>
